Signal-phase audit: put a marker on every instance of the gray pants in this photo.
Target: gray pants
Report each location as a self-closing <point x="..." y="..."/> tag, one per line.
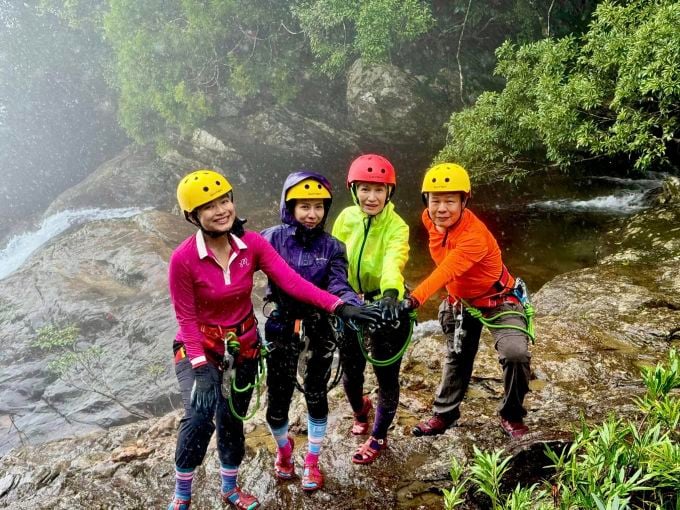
<point x="513" y="354"/>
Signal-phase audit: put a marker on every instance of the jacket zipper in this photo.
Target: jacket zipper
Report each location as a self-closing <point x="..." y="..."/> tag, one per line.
<point x="361" y="252"/>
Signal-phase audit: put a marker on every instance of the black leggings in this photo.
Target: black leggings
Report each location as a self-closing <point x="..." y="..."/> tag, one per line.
<point x="282" y="363"/>
<point x="196" y="429"/>
<point x="383" y="344"/>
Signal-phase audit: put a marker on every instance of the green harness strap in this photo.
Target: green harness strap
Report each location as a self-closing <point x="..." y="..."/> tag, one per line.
<point x="387" y="362"/>
<point x="257" y="384"/>
<point x="528" y="315"/>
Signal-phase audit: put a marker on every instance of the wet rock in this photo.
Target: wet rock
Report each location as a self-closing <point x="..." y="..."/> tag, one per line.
<point x="387" y="103"/>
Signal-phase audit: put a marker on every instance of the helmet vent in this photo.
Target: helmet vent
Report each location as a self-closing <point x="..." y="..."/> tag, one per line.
<point x="370" y="169"/>
<point x="306" y="186"/>
<point x="382" y="170"/>
<point x="447" y="179"/>
<point x="218" y="183"/>
<point x="206" y="188"/>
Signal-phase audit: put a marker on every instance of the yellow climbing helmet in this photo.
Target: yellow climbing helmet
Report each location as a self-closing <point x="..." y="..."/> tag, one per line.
<point x="308" y="189"/>
<point x="445" y="177"/>
<point x="200" y="187"/>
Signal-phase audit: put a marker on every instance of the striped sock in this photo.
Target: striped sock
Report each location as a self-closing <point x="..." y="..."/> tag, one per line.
<point x="316" y="431"/>
<point x="281" y="437"/>
<point x="183" y="480"/>
<point x="228" y="474"/>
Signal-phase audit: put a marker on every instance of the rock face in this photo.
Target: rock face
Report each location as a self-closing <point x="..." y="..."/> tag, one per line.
<point x="388" y="103"/>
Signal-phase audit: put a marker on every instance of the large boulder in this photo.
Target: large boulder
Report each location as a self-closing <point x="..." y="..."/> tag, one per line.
<point x="387" y="104"/>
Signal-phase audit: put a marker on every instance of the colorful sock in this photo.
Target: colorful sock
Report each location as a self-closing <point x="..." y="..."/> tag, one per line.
<point x="316" y="431"/>
<point x="281" y="437"/>
<point x="228" y="474"/>
<point x="183" y="480"/>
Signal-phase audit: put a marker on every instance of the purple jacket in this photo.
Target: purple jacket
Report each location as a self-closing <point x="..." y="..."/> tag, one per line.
<point x="314" y="254"/>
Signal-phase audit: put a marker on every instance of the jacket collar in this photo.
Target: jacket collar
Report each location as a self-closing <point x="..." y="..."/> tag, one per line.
<point x="203" y="249"/>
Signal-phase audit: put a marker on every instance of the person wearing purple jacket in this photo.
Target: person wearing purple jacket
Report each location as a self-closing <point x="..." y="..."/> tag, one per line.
<point x="211" y="281"/>
<point x="320" y="259"/>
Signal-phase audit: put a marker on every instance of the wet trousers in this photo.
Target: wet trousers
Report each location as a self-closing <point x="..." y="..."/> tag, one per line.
<point x="196" y="429"/>
<point x="513" y="354"/>
<point x="282" y="367"/>
<point x="382" y="344"/>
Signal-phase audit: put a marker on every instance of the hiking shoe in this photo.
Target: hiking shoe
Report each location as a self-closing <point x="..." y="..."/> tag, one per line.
<point x="240" y="500"/>
<point x="433" y="426"/>
<point x="514" y="428"/>
<point x="179" y="504"/>
<point x="284" y="467"/>
<point x="360" y="426"/>
<point x="312" y="478"/>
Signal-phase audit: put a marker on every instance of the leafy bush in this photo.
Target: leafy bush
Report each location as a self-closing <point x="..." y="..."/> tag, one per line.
<point x="612" y="93"/>
<point x="617" y="464"/>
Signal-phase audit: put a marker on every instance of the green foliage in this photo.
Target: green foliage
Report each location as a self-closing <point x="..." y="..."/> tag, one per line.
<point x="617" y="464"/>
<point x="614" y="92"/>
<point x="51" y="337"/>
<point x="340" y="31"/>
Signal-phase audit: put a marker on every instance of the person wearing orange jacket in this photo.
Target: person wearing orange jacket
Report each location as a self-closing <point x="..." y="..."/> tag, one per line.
<point x="470" y="266"/>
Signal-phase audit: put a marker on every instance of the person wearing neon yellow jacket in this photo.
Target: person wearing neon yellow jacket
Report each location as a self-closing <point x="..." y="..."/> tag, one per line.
<point x="376" y="238"/>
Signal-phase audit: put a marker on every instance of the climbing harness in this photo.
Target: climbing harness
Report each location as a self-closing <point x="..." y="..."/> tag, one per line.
<point x="520" y="294"/>
<point x="231" y="353"/>
<point x="327" y="346"/>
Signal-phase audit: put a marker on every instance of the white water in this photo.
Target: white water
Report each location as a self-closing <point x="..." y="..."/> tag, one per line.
<point x="628" y="199"/>
<point x="625" y="203"/>
<point x="20" y="247"/>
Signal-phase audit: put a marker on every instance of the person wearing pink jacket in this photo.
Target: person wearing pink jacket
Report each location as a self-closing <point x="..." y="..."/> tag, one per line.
<point x="211" y="282"/>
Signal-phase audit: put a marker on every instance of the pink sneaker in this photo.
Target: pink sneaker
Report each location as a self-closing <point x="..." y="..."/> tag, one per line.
<point x="284" y="467"/>
<point x="312" y="478"/>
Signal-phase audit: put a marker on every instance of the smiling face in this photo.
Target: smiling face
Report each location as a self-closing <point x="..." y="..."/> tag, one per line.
<point x="372" y="197"/>
<point x="309" y="212"/>
<point x="445" y="208"/>
<point x="217" y="215"/>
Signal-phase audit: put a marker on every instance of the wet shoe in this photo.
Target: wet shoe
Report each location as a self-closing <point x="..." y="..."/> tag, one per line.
<point x="514" y="428"/>
<point x="360" y="426"/>
<point x="312" y="478"/>
<point x="369" y="451"/>
<point x="179" y="504"/>
<point x="240" y="500"/>
<point x="284" y="467"/>
<point x="433" y="426"/>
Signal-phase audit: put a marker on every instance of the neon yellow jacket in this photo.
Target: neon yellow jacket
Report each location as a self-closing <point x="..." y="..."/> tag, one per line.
<point x="377" y="248"/>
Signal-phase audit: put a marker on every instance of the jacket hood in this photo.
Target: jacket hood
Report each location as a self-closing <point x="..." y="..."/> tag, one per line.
<point x="295" y="178"/>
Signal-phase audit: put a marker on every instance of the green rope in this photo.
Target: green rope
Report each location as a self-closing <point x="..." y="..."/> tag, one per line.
<point x="256" y="384"/>
<point x="528" y="315"/>
<point x="412" y="316"/>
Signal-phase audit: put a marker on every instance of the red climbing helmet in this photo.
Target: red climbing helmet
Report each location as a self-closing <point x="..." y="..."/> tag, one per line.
<point x="372" y="168"/>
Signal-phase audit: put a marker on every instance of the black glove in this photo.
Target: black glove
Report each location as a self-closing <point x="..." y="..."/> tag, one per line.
<point x="389" y="305"/>
<point x="408" y="305"/>
<point x="204" y="390"/>
<point x="355" y="313"/>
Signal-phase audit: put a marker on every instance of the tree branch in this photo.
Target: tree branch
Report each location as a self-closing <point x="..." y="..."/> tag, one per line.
<point x="460" y="42"/>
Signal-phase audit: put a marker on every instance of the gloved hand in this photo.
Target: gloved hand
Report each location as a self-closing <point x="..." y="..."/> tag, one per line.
<point x="389" y="305"/>
<point x="204" y="390"/>
<point x="408" y="305"/>
<point x="365" y="313"/>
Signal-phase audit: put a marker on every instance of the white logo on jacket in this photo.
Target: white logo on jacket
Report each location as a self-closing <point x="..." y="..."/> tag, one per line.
<point x="243" y="262"/>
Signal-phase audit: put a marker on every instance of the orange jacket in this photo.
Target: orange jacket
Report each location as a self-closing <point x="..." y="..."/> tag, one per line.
<point x="468" y="260"/>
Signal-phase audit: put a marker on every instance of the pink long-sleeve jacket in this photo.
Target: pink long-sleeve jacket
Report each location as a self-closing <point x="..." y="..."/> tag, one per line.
<point x="205" y="293"/>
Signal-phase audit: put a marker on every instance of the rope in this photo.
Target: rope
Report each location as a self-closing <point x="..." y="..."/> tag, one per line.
<point x="412" y="316"/>
<point x="528" y="316"/>
<point x="260" y="376"/>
